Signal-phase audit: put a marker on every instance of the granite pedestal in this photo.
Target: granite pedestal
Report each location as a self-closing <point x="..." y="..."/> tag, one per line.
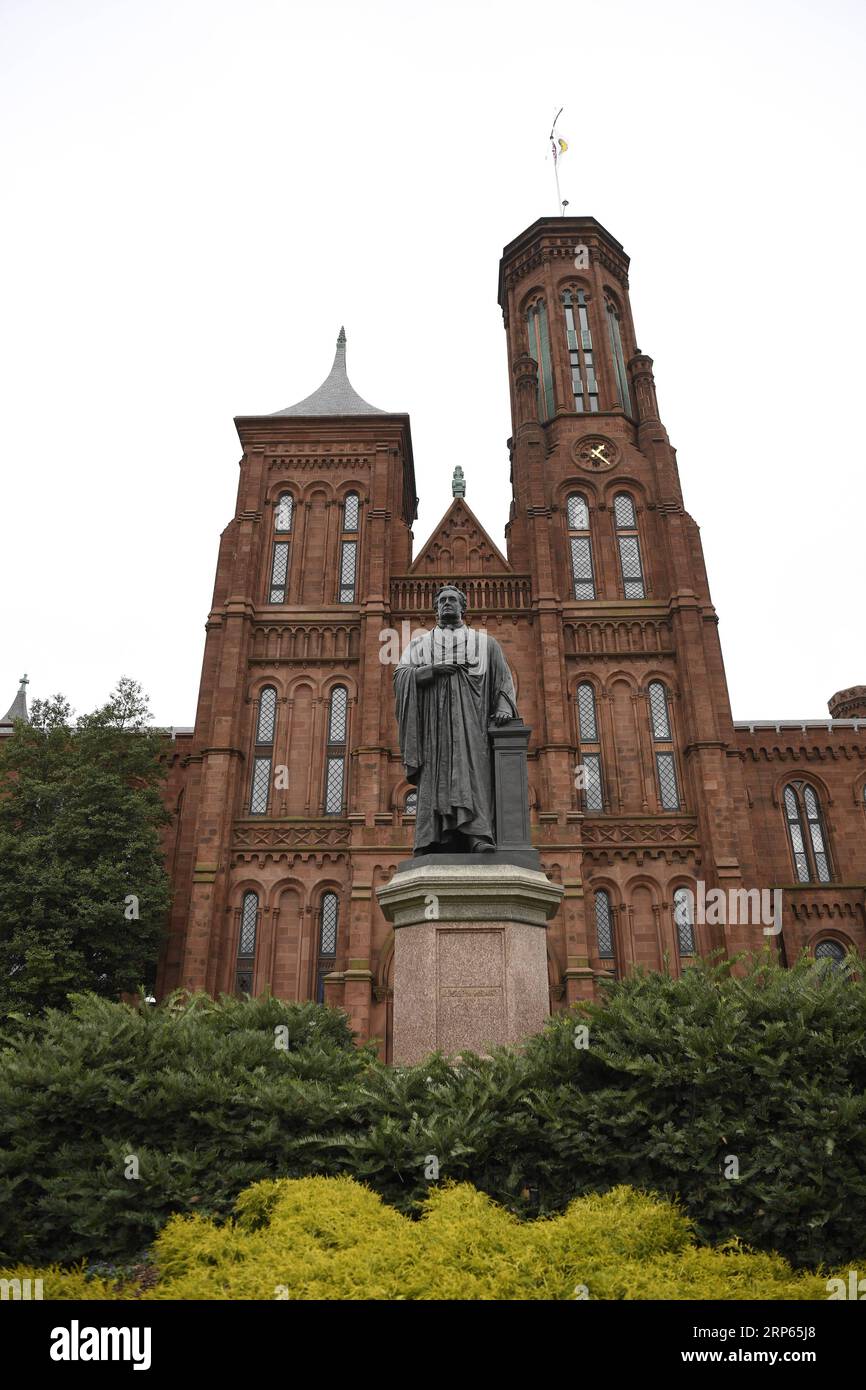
<point x="470" y="953"/>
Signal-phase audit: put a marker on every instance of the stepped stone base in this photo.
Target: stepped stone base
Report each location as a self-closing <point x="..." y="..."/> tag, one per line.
<point x="470" y="956"/>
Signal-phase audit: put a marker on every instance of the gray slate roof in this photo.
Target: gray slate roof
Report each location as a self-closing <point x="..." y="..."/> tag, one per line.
<point x="18" y="707"/>
<point x="336" y="395"/>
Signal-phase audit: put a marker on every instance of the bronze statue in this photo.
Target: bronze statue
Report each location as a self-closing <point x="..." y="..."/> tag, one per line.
<point x="450" y="684"/>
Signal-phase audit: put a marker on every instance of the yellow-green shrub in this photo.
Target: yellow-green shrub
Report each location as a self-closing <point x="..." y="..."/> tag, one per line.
<point x="331" y="1238"/>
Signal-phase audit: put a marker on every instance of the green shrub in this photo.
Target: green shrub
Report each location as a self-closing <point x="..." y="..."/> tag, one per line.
<point x="196" y="1092"/>
<point x="331" y="1238"/>
<point x="678" y="1075"/>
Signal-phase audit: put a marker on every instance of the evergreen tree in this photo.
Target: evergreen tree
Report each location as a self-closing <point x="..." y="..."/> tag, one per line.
<point x="84" y="893"/>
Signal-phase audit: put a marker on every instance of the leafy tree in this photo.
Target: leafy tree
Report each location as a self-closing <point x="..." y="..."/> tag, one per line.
<point x="83" y="890"/>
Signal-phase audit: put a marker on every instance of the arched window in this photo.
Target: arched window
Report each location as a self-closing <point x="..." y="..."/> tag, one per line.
<point x="579" y="338"/>
<point x="266" y="719"/>
<point x="604" y="925"/>
<point x="350" y="526"/>
<point x="833" y="951"/>
<point x="284" y="512"/>
<point x="684" y="920"/>
<point x="619" y="367"/>
<point x="351" y="511"/>
<point x="279" y="572"/>
<point x="283" y="516"/>
<point x="410" y="805"/>
<point x="247" y="928"/>
<point x="666" y="767"/>
<point x="580" y="542"/>
<point x="658" y="698"/>
<point x="629" y="546"/>
<point x="539" y="350"/>
<point x="590" y="748"/>
<point x="335" y="755"/>
<point x="329" y="918"/>
<point x="806" y="833"/>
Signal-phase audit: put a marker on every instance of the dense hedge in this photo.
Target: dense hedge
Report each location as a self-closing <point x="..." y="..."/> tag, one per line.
<point x="331" y="1238"/>
<point x="678" y="1075"/>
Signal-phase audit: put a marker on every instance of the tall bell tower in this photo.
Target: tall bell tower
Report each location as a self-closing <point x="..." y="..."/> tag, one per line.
<point x="629" y="660"/>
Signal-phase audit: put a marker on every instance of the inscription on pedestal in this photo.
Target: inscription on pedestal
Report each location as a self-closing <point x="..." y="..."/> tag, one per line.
<point x="470" y="971"/>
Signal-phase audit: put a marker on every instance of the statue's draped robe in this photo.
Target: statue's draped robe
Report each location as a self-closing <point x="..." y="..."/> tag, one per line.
<point x="443" y="729"/>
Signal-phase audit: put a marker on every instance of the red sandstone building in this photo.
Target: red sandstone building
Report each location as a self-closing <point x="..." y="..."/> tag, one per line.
<point x="291" y="800"/>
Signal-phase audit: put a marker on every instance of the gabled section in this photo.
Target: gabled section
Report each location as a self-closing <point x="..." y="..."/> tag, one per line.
<point x="460" y="546"/>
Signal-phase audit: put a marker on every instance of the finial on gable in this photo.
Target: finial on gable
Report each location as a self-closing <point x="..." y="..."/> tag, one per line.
<point x="458" y="483"/>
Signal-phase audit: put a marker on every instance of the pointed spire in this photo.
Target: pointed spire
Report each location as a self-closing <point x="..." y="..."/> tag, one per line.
<point x="18" y="708"/>
<point x="336" y="395"/>
<point x="458" y="483"/>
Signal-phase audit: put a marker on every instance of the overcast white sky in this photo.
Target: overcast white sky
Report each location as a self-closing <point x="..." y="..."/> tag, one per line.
<point x="198" y="193"/>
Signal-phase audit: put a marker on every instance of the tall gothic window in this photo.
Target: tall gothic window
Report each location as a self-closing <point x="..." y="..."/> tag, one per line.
<point x="628" y="542"/>
<point x="283" y="518"/>
<point x="806" y="833"/>
<point x="329" y="920"/>
<point x="666" y="768"/>
<point x="348" y="570"/>
<point x="539" y="349"/>
<point x="590" y="748"/>
<point x="284" y="512"/>
<point x="410" y="805"/>
<point x="351" y="511"/>
<point x="248" y="925"/>
<point x="279" y="572"/>
<point x="350" y="526"/>
<point x="335" y="754"/>
<point x="604" y="925"/>
<point x="619" y="368"/>
<point x="684" y="921"/>
<point x="266" y="719"/>
<point x="579" y="337"/>
<point x="580" y="543"/>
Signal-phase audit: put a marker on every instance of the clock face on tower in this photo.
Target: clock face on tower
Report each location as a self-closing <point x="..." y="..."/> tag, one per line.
<point x="595" y="453"/>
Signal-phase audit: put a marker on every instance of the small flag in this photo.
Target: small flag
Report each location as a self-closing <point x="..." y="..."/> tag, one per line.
<point x="563" y="146"/>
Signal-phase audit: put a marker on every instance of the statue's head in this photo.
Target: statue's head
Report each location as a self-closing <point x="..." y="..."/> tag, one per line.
<point x="450" y="604"/>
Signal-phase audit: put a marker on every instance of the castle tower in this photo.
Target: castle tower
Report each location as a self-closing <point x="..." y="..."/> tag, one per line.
<point x="291" y="748"/>
<point x="292" y="806"/>
<point x="631" y="680"/>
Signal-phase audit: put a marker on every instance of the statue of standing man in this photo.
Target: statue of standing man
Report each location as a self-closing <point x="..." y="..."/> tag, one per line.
<point x="449" y="685"/>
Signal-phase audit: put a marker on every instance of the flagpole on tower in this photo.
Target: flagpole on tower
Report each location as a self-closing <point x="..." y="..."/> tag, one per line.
<point x="557" y="147"/>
